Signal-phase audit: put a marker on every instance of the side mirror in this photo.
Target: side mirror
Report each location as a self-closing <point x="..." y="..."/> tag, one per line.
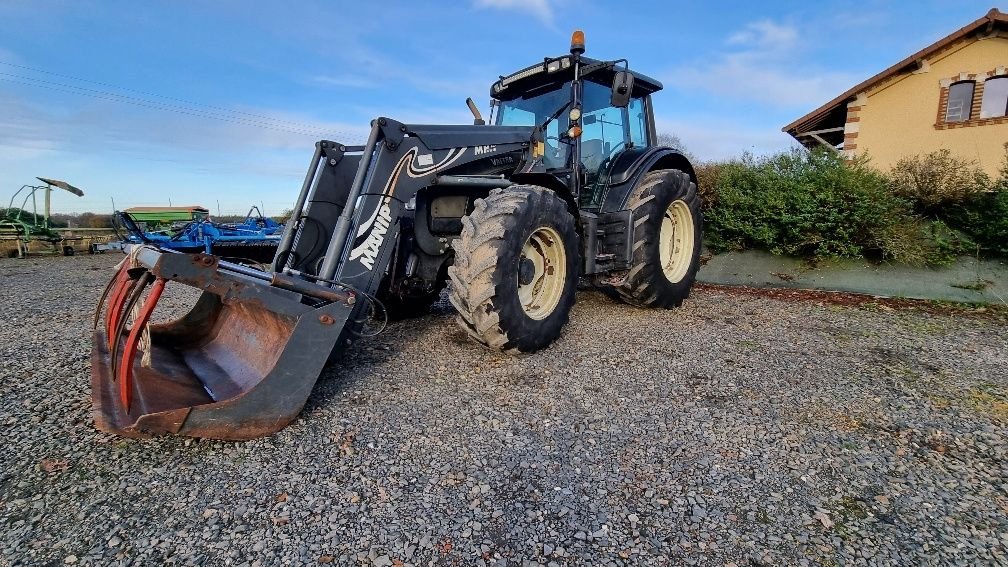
<point x="621" y="89"/>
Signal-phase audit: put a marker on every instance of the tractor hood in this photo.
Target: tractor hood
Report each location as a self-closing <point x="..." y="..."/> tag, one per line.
<point x="441" y="137"/>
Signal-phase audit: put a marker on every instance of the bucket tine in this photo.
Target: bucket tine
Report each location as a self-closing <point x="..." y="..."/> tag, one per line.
<point x="105" y="294"/>
<point x="126" y="366"/>
<point x="134" y="296"/>
<point x="117" y="313"/>
<point x="118" y="293"/>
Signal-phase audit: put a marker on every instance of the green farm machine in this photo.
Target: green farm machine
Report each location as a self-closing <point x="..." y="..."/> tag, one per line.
<point x="21" y="229"/>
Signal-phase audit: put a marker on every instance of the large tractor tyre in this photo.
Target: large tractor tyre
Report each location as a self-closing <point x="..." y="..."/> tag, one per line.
<point x="667" y="231"/>
<point x="516" y="269"/>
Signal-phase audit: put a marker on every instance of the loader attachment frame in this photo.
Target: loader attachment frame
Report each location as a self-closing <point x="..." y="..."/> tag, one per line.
<point x="239" y="365"/>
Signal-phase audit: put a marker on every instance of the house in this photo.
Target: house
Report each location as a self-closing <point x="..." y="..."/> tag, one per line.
<point x="952" y="94"/>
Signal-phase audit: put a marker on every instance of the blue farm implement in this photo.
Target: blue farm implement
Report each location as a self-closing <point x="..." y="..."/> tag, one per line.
<point x="253" y="240"/>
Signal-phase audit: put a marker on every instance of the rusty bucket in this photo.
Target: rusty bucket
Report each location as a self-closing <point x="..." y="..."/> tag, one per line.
<point x="239" y="365"/>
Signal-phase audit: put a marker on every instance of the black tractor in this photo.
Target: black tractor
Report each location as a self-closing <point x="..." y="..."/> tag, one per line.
<point x="567" y="182"/>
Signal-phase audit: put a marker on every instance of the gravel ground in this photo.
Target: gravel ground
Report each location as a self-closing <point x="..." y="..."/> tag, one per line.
<point x="737" y="430"/>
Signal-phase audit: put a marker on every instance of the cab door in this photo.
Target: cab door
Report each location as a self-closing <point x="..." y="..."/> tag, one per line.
<point x="608" y="131"/>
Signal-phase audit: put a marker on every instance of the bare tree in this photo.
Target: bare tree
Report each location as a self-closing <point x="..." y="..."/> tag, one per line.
<point x="284" y="216"/>
<point x="673" y="141"/>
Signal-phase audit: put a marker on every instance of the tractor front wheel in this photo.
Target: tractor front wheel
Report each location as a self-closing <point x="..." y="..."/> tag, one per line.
<point x="516" y="269"/>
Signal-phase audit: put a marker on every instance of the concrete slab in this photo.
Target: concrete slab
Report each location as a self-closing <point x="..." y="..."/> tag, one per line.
<point x="967" y="280"/>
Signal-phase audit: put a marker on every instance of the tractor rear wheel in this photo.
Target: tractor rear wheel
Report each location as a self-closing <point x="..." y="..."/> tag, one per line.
<point x="668" y="230"/>
<point x="516" y="269"/>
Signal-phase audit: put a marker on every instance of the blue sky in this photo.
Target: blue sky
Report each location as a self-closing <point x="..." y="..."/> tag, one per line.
<point x="200" y="102"/>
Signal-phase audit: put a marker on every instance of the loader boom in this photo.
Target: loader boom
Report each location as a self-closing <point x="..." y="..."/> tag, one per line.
<point x="242" y="363"/>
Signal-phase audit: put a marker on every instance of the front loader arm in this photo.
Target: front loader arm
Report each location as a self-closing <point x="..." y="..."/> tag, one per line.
<point x="362" y="213"/>
<point x="243" y="361"/>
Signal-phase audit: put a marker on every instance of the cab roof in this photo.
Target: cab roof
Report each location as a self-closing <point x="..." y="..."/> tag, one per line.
<point x="558" y="70"/>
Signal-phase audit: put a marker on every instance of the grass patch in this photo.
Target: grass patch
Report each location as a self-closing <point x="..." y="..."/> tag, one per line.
<point x="846" y="512"/>
<point x="990" y="400"/>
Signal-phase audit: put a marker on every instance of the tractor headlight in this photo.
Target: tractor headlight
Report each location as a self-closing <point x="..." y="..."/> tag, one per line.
<point x="522" y="74"/>
<point x="557" y="64"/>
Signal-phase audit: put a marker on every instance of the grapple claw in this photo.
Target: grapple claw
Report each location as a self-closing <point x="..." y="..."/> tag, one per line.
<point x="239" y="365"/>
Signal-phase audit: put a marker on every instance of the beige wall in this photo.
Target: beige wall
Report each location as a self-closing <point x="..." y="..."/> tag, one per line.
<point x="898" y="117"/>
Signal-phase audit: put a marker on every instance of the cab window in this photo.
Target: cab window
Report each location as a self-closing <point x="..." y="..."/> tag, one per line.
<point x="533" y="109"/>
<point x="638" y="123"/>
<point x="607" y="130"/>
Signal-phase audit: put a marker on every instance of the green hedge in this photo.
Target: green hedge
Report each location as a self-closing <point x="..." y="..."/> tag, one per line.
<point x="809" y="204"/>
<point x="817" y="205"/>
<point x="984" y="221"/>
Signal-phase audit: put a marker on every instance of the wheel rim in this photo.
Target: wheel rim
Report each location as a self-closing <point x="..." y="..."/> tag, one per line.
<point x="675" y="248"/>
<point x="540" y="294"/>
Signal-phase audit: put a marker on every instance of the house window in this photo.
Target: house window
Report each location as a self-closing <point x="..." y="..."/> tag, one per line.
<point x="960" y="101"/>
<point x="995" y="98"/>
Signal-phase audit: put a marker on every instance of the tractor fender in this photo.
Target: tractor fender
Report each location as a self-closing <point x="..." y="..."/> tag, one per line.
<point x="630" y="166"/>
<point x="550" y="182"/>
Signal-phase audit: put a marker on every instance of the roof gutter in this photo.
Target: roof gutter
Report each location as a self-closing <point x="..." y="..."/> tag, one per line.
<point x="987" y="22"/>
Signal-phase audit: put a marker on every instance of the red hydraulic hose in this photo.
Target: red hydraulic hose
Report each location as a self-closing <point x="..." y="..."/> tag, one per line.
<point x="115" y="304"/>
<point x="126" y="367"/>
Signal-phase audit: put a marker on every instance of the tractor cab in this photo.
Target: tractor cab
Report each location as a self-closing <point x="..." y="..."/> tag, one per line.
<point x="591" y="114"/>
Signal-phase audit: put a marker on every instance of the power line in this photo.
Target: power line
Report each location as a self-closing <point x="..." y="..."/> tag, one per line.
<point x="118" y="98"/>
<point x="115" y="97"/>
<point x="146" y="93"/>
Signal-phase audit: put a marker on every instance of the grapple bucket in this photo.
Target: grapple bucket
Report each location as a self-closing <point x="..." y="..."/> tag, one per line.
<point x="239" y="365"/>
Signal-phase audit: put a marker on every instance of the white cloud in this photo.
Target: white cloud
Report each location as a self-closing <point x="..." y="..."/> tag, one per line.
<point x="765" y="35"/>
<point x="541" y="9"/>
<point x="846" y="21"/>
<point x="376" y="70"/>
<point x="21" y="126"/>
<point x="752" y="78"/>
<point x="103" y="122"/>
<point x="712" y="138"/>
<point x="6" y="55"/>
<point x="764" y="64"/>
<point x="344" y="81"/>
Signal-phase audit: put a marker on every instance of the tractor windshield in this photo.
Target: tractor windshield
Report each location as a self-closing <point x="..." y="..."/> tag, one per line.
<point x="532" y="109"/>
<point x="607" y="130"/>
